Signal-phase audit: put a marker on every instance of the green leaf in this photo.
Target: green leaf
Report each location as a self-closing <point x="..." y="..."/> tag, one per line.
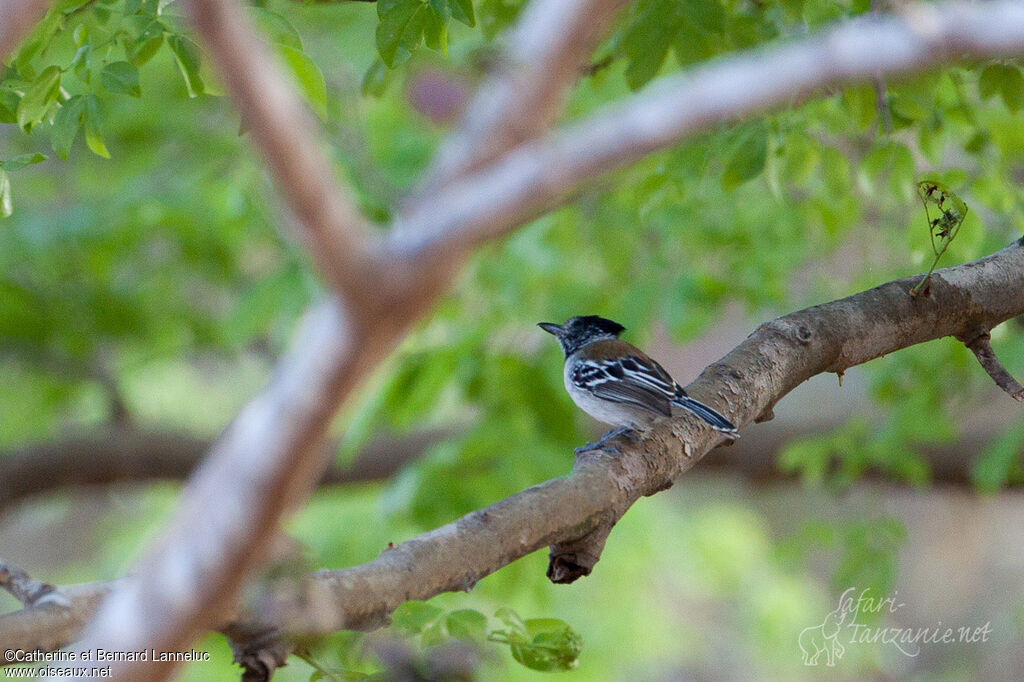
<point x="545" y="644"/>
<point x="6" y="208"/>
<point x="861" y="101"/>
<point x="989" y="81"/>
<point x="39" y="97"/>
<point x="9" y="101"/>
<point x="94" y="127"/>
<point x="415" y="616"/>
<point x="148" y="44"/>
<point x="801" y="158"/>
<point x="510" y="618"/>
<point x="375" y="80"/>
<point x="467" y="624"/>
<point x="435" y="32"/>
<point x="188" y="57"/>
<point x="999" y="462"/>
<point x="66" y="124"/>
<point x="19" y="162"/>
<point x="646" y="41"/>
<point x="81" y="63"/>
<point x="278" y="29"/>
<point x="1013" y="89"/>
<point x="894" y="161"/>
<point x="400" y="29"/>
<point x="1003" y="80"/>
<point x="81" y="34"/>
<point x="977" y="142"/>
<point x="441" y="9"/>
<point x="747" y="160"/>
<point x="121" y="78"/>
<point x="462" y="11"/>
<point x="308" y="76"/>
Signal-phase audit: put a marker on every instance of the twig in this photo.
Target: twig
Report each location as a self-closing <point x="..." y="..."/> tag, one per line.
<point x="882" y="104"/>
<point x="982" y="349"/>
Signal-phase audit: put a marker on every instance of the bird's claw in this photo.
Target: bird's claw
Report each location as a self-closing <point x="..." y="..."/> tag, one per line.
<point x="602" y="444"/>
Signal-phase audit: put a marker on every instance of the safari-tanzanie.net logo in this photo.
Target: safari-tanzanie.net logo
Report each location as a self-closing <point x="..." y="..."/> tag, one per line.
<point x="842" y="627"/>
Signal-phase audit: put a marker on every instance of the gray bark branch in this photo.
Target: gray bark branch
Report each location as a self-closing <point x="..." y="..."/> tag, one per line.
<point x="575" y="514"/>
<point x="539" y="175"/>
<point x="130" y="455"/>
<point x="541" y="61"/>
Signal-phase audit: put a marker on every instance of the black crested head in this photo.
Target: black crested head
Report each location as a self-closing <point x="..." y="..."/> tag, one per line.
<point x="594" y="325"/>
<point x="580" y="330"/>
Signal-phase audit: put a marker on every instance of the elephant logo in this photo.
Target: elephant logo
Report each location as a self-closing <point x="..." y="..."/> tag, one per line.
<point x="823" y="639"/>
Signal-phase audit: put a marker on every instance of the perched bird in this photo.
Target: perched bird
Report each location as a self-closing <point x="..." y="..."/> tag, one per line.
<point x="616" y="382"/>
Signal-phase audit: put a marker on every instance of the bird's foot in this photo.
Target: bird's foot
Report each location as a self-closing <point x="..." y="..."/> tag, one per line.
<point x="602" y="444"/>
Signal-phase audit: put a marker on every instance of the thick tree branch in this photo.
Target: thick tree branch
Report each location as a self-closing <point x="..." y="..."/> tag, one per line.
<point x="272" y="454"/>
<point x="227" y="517"/>
<point x="47" y="627"/>
<point x="540" y="175"/>
<point x="284" y="131"/>
<point x="540" y="63"/>
<point x="575" y="514"/>
<point x="17" y="17"/>
<point x="127" y="455"/>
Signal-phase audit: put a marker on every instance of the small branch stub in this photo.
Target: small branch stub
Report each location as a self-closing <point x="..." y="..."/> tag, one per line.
<point x="982" y="349"/>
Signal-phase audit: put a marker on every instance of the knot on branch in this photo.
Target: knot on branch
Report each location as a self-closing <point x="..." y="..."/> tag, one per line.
<point x="259" y="652"/>
<point x="569" y="561"/>
<point x="791" y="330"/>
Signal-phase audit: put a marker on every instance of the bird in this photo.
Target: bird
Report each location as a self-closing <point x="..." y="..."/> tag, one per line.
<point x="617" y="383"/>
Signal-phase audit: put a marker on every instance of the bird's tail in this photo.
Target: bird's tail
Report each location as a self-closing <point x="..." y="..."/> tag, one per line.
<point x="717" y="421"/>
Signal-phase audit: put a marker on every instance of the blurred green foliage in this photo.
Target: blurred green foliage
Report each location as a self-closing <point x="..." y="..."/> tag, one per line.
<point x="155" y="267"/>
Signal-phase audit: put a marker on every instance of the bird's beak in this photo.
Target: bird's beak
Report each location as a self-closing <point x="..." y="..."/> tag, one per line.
<point x="551" y="328"/>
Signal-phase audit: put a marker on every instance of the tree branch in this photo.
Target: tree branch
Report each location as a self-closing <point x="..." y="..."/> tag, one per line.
<point x="982" y="348"/>
<point x="267" y="459"/>
<point x="17" y="17"/>
<point x="540" y="63"/>
<point x="575" y="514"/>
<point x="123" y="455"/>
<point x="285" y="133"/>
<point x="538" y="176"/>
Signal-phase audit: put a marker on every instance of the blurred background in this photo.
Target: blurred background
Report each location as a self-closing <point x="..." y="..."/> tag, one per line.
<point x="144" y="298"/>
